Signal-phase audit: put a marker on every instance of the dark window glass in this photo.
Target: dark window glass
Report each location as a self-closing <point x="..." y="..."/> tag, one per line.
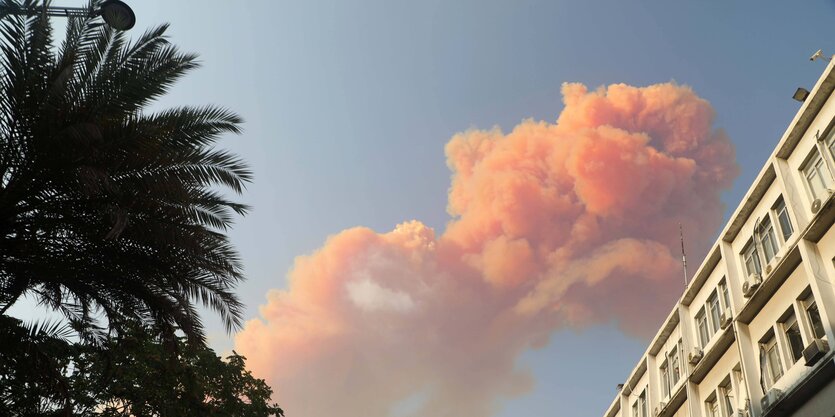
<point x="794" y="338"/>
<point x="752" y="259"/>
<point x="783" y="217"/>
<point x="767" y="240"/>
<point x="713" y="306"/>
<point x="815" y="319"/>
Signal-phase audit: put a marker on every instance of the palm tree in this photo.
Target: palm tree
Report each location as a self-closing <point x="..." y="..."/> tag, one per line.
<point x="110" y="213"/>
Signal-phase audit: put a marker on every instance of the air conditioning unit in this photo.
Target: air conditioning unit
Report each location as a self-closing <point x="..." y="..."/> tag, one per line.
<point x="818" y="203"/>
<point x="660" y="408"/>
<point x="695" y="356"/>
<point x="724" y="321"/>
<point x="770" y="398"/>
<point x="815" y="351"/>
<point x="751" y="284"/>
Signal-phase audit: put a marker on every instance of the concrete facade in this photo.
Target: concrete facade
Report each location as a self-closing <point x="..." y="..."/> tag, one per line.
<point x="753" y="333"/>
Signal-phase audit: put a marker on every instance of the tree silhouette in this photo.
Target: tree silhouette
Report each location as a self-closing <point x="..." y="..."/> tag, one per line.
<point x="110" y="213"/>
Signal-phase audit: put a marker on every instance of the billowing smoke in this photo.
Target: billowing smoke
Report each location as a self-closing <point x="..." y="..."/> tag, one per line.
<point x="554" y="225"/>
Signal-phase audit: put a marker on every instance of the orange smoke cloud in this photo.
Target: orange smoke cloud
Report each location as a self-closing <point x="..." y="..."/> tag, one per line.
<point x="557" y="225"/>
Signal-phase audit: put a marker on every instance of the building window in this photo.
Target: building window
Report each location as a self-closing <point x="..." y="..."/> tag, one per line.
<point x="639" y="408"/>
<point x="675" y="365"/>
<point x="783" y="219"/>
<point x="712" y="407"/>
<point x="792" y="331"/>
<point x="770" y="360"/>
<point x="665" y="380"/>
<point x="715" y="312"/>
<point x="751" y="259"/>
<point x="766" y="239"/>
<point x="702" y="326"/>
<point x="726" y="395"/>
<point x="830" y="144"/>
<point x="814" y="317"/>
<point x="726" y="298"/>
<point x="817" y="178"/>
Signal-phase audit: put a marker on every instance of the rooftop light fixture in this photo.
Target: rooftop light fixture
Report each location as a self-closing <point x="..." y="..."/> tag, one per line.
<point x="819" y="55"/>
<point x="115" y="13"/>
<point x="801" y="94"/>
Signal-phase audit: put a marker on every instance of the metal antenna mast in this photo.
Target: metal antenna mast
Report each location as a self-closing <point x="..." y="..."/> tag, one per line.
<point x="683" y="256"/>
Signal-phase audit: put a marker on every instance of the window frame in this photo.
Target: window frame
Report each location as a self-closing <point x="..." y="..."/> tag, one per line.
<point x="808" y="303"/>
<point x="701" y="323"/>
<point x="666" y="386"/>
<point x="715" y="313"/>
<point x="815" y="160"/>
<point x="750" y="250"/>
<point x="829" y="145"/>
<point x="712" y="407"/>
<point x="674" y="358"/>
<point x="781" y="211"/>
<point x="786" y="323"/>
<point x="766" y="239"/>
<point x="725" y="297"/>
<point x="772" y="351"/>
<point x="639" y="407"/>
<point x="725" y="395"/>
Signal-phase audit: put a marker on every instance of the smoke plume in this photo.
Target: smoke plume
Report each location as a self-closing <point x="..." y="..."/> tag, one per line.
<point x="553" y="226"/>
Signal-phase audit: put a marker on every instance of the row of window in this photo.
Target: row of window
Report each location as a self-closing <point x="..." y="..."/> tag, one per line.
<point x="722" y="402"/>
<point x="784" y="342"/>
<point x="709" y="318"/>
<point x="764" y="245"/>
<point x="774" y="350"/>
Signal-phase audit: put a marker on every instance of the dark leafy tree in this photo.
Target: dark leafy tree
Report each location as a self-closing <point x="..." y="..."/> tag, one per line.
<point x="108" y="210"/>
<point x="33" y="362"/>
<point x="137" y="371"/>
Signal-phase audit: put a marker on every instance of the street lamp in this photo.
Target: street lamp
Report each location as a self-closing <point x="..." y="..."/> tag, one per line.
<point x="115" y="13"/>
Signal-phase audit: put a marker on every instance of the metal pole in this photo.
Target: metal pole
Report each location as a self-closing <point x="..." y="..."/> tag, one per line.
<point x="683" y="257"/>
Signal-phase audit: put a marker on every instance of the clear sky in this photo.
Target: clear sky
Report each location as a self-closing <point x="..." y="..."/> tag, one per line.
<point x="348" y="106"/>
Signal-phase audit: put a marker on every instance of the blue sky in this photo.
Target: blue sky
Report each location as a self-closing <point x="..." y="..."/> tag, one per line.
<point x="348" y="106"/>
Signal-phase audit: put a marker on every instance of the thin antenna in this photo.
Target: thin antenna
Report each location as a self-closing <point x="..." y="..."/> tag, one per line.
<point x="683" y="256"/>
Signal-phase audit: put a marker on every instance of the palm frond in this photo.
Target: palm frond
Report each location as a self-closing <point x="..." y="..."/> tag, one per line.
<point x="106" y="210"/>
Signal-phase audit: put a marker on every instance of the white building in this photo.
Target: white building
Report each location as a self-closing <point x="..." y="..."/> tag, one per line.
<point x="751" y="334"/>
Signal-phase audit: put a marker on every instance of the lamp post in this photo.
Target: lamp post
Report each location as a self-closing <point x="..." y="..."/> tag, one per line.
<point x="115" y="13"/>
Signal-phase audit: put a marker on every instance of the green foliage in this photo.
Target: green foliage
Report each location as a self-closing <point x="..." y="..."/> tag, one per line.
<point x="137" y="372"/>
<point x="107" y="210"/>
<point x="114" y="217"/>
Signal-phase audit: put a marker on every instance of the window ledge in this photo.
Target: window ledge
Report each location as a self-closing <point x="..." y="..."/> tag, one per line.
<point x="712" y="352"/>
<point x="771" y="283"/>
<point x="676" y="400"/>
<point x="798" y="394"/>
<point x="821" y="221"/>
